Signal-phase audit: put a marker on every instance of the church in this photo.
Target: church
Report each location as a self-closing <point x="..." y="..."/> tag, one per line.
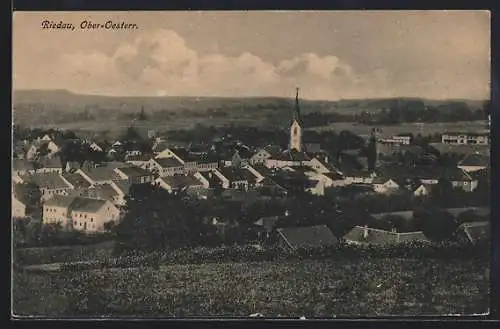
<point x="296" y="127"/>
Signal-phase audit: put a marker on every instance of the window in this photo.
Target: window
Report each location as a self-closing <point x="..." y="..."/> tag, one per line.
<point x="74" y="222"/>
<point x="91" y="220"/>
<point x="80" y="223"/>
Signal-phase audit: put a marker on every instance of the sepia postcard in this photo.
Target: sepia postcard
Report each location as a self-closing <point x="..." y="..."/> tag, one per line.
<point x="250" y="164"/>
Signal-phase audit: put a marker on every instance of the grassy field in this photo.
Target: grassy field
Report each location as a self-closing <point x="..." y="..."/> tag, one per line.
<point x="313" y="288"/>
<point x="425" y="129"/>
<point x="189" y="123"/>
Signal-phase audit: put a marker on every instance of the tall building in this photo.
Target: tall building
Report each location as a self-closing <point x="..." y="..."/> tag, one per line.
<point x="296" y="127"/>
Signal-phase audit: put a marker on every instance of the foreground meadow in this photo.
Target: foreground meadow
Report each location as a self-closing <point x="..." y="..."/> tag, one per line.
<point x="313" y="288"/>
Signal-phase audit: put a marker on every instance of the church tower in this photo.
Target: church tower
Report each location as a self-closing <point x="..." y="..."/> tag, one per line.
<point x="296" y="127"/>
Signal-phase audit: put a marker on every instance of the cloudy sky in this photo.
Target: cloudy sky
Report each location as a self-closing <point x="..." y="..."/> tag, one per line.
<point x="330" y="55"/>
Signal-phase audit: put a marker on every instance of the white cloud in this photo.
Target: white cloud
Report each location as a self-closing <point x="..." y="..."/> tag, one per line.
<point x="162" y="63"/>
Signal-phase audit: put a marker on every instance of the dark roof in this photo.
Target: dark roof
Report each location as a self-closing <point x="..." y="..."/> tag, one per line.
<point x="101" y="173"/>
<point x="456" y="174"/>
<point x="307" y="237"/>
<point x="123" y="185"/>
<point x="461" y="149"/>
<point x="293" y="155"/>
<point x="103" y="192"/>
<point x="476" y="231"/>
<point x="185" y="155"/>
<point x="87" y="204"/>
<point x="169" y="162"/>
<point x="381" y="237"/>
<point x="475" y="159"/>
<point x="50" y="180"/>
<point x="135" y="172"/>
<point x="267" y="223"/>
<point x="181" y="181"/>
<point x="235" y="174"/>
<point x="334" y="175"/>
<point x="76" y="180"/>
<point x="142" y="157"/>
<point x="59" y="201"/>
<point x="205" y="158"/>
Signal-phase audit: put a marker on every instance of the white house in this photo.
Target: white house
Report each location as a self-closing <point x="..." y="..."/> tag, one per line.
<point x="422" y="190"/>
<point x="316" y="187"/>
<point x="384" y="185"/>
<point x="95" y="147"/>
<point x="318" y="165"/>
<point x="56" y="210"/>
<point x="331" y="179"/>
<point x="166" y="166"/>
<point x="179" y="182"/>
<point x="49" y="184"/>
<point x="90" y="215"/>
<point x="99" y="175"/>
<point x="465" y="139"/>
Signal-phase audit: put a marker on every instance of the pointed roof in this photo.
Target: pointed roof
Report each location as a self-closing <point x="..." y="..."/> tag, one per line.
<point x="307" y="237"/>
<point x="296" y="110"/>
<point x="475" y="160"/>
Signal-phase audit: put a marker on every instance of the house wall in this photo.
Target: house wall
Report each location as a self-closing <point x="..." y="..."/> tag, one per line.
<point x="18" y="208"/>
<point x="55" y="214"/>
<point x="318" y="166"/>
<point x="48" y="193"/>
<point x="94" y="222"/>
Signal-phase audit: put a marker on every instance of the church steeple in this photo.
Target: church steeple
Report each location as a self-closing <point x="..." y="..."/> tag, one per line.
<point x="296" y="127"/>
<point x="296" y="111"/>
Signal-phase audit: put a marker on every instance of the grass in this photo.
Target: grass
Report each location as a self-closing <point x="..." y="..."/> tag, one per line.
<point x="313" y="288"/>
<point x="44" y="255"/>
<point x="425" y="129"/>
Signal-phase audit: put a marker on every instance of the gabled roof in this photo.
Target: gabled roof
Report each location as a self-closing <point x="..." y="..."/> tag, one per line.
<point x="381" y="237"/>
<point x="334" y="175"/>
<point x="76" y="180"/>
<point x="457" y="174"/>
<point x="185" y="155"/>
<point x="475" y="159"/>
<point x="134" y="172"/>
<point x="87" y="205"/>
<point x="123" y="185"/>
<point x="476" y="231"/>
<point x="142" y="157"/>
<point x="235" y="174"/>
<point x="101" y="173"/>
<point x="50" y="180"/>
<point x="59" y="201"/>
<point x="169" y="162"/>
<point x="104" y="192"/>
<point x="267" y="223"/>
<point x="181" y="181"/>
<point x="307" y="237"/>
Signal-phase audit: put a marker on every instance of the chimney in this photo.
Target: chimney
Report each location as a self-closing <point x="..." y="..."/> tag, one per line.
<point x="365" y="231"/>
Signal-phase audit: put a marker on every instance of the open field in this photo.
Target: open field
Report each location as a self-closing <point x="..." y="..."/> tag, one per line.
<point x="313" y="288"/>
<point x="414" y="128"/>
<point x="189" y="123"/>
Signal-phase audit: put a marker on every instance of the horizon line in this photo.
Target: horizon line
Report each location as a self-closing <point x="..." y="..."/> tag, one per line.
<point x="248" y="97"/>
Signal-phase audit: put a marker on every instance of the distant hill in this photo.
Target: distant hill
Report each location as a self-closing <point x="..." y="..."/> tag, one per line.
<point x="63" y="100"/>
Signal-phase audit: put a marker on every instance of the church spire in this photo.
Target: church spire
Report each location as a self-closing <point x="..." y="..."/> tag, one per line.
<point x="296" y="110"/>
<point x="296" y="127"/>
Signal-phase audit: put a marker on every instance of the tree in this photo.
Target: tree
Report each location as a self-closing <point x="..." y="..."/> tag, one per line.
<point x="142" y="115"/>
<point x="156" y="219"/>
<point x="436" y="224"/>
<point x="371" y="153"/>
